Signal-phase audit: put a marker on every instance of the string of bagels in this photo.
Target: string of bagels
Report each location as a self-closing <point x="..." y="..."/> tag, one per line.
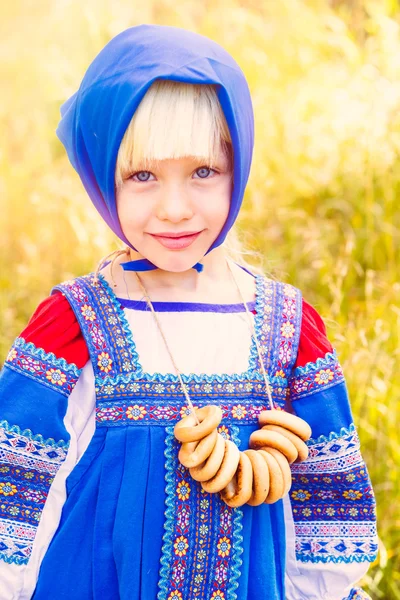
<point x="260" y="474"/>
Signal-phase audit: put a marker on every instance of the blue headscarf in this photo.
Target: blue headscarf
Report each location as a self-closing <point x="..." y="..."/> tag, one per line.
<point x="96" y="117"/>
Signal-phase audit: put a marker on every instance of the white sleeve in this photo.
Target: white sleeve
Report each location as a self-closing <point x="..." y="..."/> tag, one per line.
<point x="317" y="580"/>
<point x="18" y="582"/>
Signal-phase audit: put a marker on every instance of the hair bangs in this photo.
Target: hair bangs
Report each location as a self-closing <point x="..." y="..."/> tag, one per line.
<point x="173" y="120"/>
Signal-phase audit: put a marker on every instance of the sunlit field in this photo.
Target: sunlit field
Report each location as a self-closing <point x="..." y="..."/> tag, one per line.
<point x="322" y="206"/>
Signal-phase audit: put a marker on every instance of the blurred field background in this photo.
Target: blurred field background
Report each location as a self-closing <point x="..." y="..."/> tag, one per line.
<point x="321" y="207"/>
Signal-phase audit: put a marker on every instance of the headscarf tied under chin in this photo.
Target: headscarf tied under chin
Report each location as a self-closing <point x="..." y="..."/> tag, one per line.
<point x="96" y="117"/>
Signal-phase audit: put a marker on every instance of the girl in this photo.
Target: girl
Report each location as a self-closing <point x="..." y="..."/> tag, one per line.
<point x="95" y="502"/>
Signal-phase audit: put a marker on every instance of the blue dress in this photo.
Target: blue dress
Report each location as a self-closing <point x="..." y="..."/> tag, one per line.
<point x="136" y="526"/>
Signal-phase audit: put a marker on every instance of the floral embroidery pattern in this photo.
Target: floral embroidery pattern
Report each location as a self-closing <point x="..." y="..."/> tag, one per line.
<point x="332" y="502"/>
<point x="190" y="568"/>
<point x="7" y="489"/>
<point x="111" y="414"/>
<point x="238" y="412"/>
<point x="323" y="373"/>
<point x="88" y="312"/>
<point x="224" y="546"/>
<point x="283" y="300"/>
<point x="181" y="545"/>
<point x="183" y="490"/>
<point x="301" y="495"/>
<point x="11" y="355"/>
<point x="104" y="362"/>
<point x="56" y="377"/>
<point x="101" y="319"/>
<point x="324" y="376"/>
<point x="28" y="465"/>
<point x="135" y="412"/>
<point x="224" y="431"/>
<point x="25" y="358"/>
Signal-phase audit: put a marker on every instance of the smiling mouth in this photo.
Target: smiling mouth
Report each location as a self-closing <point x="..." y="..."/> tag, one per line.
<point x="178" y="241"/>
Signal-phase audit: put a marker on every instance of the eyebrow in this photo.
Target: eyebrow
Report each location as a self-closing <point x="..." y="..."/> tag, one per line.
<point x="152" y="164"/>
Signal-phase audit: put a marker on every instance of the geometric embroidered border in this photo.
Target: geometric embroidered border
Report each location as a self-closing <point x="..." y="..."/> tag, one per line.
<point x="317" y="551"/>
<point x="16" y="541"/>
<point x="332" y="455"/>
<point x="333" y="503"/>
<point x="28" y="464"/>
<point x="335" y="542"/>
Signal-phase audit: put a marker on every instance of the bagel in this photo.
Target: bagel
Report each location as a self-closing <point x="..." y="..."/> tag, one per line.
<point x="186" y="430"/>
<point x="192" y="454"/>
<point x="209" y="468"/>
<point x="261" y="478"/>
<point x="284" y="467"/>
<point x="239" y="490"/>
<point x="226" y="471"/>
<point x="301" y="447"/>
<point x="276" y="481"/>
<point x="264" y="438"/>
<point x="287" y="420"/>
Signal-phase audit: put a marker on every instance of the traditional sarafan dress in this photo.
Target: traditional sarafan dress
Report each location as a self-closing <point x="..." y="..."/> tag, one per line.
<point x="94" y="502"/>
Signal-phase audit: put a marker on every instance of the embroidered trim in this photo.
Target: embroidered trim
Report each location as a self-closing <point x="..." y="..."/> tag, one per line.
<point x="333" y="503"/>
<point x="316" y="376"/>
<point x="236" y="535"/>
<point x="344" y="431"/>
<point x="285" y="344"/>
<point x="27" y="433"/>
<point x="332" y="454"/>
<point x="55" y="373"/>
<point x="16" y="541"/>
<point x="197" y="560"/>
<point x="166" y="551"/>
<point x="28" y="464"/>
<point x="320" y="363"/>
<point x="103" y="324"/>
<point x="352" y="558"/>
<point x="134" y="412"/>
<point x="126" y="396"/>
<point x="12" y="559"/>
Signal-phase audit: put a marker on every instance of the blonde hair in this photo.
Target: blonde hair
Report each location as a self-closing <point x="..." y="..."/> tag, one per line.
<point x="173" y="120"/>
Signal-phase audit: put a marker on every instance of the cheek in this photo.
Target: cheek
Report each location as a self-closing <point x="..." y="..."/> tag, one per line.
<point x="131" y="212"/>
<point x="223" y="202"/>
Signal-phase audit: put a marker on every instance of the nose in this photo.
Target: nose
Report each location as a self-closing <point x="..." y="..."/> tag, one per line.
<point x="175" y="204"/>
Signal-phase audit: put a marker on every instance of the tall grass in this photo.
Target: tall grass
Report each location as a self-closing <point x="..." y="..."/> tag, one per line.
<point x="322" y="204"/>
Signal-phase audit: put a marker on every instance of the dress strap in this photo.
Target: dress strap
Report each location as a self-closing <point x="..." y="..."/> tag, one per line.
<point x="107" y="335"/>
<point x="279" y="334"/>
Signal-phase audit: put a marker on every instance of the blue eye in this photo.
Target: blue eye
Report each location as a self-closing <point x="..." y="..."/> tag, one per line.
<point x="204" y="172"/>
<point x="141" y="176"/>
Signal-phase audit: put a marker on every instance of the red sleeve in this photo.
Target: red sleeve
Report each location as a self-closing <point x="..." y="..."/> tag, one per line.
<point x="54" y="328"/>
<point x="313" y="342"/>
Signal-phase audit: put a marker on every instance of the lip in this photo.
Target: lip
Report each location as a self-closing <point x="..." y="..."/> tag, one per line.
<point x="176" y="241"/>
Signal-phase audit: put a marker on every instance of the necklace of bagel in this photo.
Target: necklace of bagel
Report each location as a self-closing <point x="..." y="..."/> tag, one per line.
<point x="255" y="476"/>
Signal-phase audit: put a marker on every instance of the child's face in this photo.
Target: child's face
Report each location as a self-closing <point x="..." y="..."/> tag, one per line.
<point x="175" y="196"/>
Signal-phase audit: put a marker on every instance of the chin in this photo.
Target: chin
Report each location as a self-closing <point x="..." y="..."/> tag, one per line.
<point x="176" y="264"/>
